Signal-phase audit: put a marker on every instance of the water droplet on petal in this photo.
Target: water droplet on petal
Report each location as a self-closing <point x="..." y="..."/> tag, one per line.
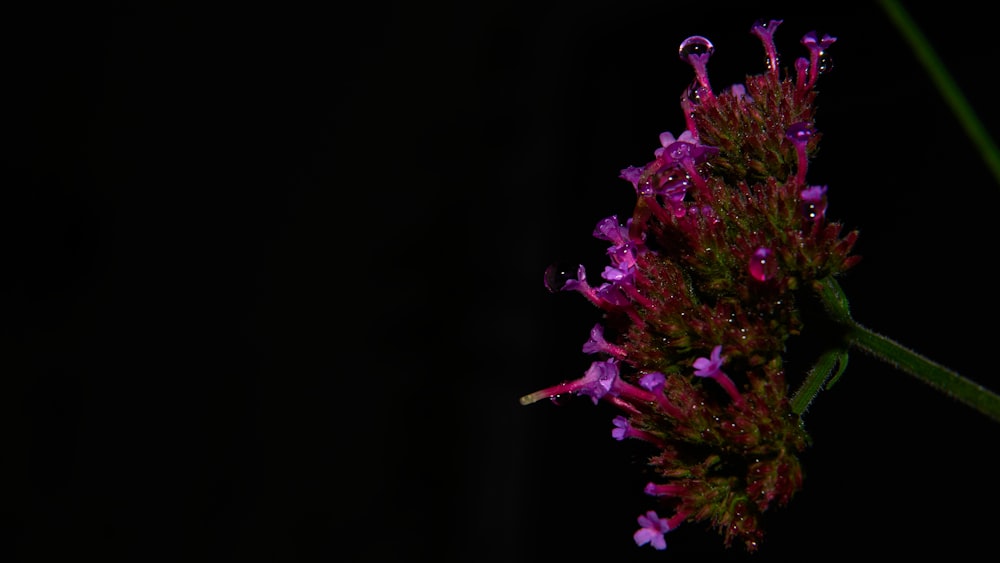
<point x="674" y="185"/>
<point x="800" y="132"/>
<point x="763" y="265"/>
<point x="770" y="64"/>
<point x="645" y="188"/>
<point x="813" y="202"/>
<point x="696" y="45"/>
<point x="695" y="93"/>
<point x="814" y="210"/>
<point x="556" y="277"/>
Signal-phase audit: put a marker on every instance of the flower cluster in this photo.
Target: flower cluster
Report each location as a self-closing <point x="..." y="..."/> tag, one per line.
<point x="704" y="282"/>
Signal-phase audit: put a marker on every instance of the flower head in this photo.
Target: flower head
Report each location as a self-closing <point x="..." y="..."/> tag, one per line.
<point x="724" y="235"/>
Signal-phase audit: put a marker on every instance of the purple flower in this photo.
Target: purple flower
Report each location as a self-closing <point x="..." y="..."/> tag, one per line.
<point x="599" y="379"/>
<point x="652" y="381"/>
<point x="813" y="193"/>
<point x="712" y="367"/>
<point x="610" y="295"/>
<point x="705" y="367"/>
<point x="675" y="151"/>
<point x="651" y="531"/>
<point x="816" y="45"/>
<point x="604" y="295"/>
<point x="800" y="132"/>
<point x="817" y="49"/>
<point x="765" y="32"/>
<point x="610" y="229"/>
<point x="667" y="138"/>
<point x="597" y="344"/>
<point x="621" y="428"/>
<point x="611" y="273"/>
<point x="622" y="253"/>
<point x="623" y="264"/>
<point x="632" y="174"/>
<point x="814" y="202"/>
<point x="739" y="92"/>
<point x="696" y="50"/>
<point x="664" y="490"/>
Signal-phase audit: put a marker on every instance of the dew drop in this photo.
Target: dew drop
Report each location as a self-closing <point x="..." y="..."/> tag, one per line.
<point x="770" y="63"/>
<point x="556" y="277"/>
<point x="675" y="184"/>
<point x="814" y="211"/>
<point x="695" y="93"/>
<point x="696" y="45"/>
<point x="645" y="188"/>
<point x="824" y="64"/>
<point x="763" y="265"/>
<point x="800" y="132"/>
<point x="813" y="204"/>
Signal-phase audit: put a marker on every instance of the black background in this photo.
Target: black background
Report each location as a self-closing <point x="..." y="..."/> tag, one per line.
<point x="273" y="279"/>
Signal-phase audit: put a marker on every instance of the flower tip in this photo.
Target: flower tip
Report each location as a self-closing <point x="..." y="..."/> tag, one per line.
<point x="531" y="398"/>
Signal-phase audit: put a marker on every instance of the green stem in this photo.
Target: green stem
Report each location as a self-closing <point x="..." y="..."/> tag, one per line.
<point x="946" y="85"/>
<point x="891" y="352"/>
<point x="818" y="376"/>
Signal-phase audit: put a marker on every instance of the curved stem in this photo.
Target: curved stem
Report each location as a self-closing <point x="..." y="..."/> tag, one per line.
<point x="883" y="348"/>
<point x="818" y="376"/>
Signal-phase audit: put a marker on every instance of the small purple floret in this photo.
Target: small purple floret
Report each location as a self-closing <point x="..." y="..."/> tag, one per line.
<point x="652" y="530"/>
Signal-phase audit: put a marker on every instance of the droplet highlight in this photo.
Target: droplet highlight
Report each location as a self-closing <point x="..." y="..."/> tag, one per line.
<point x="763" y="265"/>
<point x="813" y="204"/>
<point x="771" y="64"/>
<point x="824" y="64"/>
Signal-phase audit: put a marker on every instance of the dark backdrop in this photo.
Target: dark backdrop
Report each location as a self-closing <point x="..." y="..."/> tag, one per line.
<point x="273" y="279"/>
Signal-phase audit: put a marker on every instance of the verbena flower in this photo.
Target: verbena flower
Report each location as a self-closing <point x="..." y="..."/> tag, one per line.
<point x="652" y="530"/>
<point x="712" y="368"/>
<point x="708" y="272"/>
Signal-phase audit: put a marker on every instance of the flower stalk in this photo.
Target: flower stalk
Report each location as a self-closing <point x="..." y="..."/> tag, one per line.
<point x="891" y="352"/>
